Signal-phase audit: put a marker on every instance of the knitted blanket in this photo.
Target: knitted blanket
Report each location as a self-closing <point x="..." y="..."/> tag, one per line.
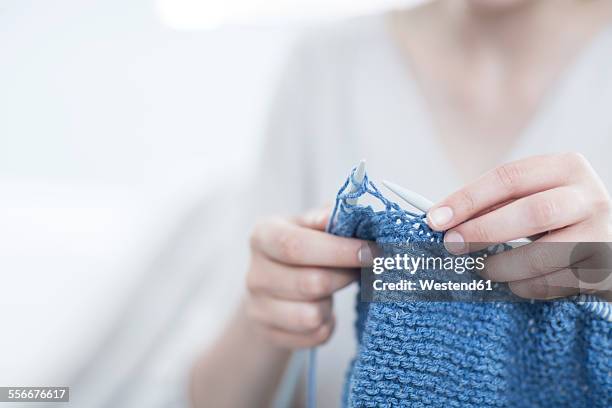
<point x="468" y="354"/>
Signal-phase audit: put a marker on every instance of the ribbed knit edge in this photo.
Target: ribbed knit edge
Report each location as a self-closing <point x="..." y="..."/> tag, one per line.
<point x="595" y="305"/>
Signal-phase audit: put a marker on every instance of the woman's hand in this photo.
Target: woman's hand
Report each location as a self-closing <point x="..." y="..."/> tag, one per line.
<point x="559" y="196"/>
<point x="295" y="269"/>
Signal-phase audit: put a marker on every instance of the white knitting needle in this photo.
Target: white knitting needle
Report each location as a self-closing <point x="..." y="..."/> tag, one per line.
<point x="357" y="178"/>
<point x="423" y="204"/>
<point x="412" y="198"/>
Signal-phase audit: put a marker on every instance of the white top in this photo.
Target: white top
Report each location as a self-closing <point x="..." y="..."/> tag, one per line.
<point x="346" y="95"/>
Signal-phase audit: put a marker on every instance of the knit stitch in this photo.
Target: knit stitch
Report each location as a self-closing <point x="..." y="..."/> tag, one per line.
<point x="469" y="354"/>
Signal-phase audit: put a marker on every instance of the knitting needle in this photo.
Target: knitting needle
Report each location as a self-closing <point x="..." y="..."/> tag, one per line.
<point x="357" y="177"/>
<point x="412" y="198"/>
<point x="423" y="204"/>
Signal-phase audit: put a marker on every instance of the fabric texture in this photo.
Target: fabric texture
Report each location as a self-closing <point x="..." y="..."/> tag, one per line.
<point x="468" y="354"/>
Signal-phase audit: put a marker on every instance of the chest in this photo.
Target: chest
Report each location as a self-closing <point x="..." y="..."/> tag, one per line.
<point x="392" y="128"/>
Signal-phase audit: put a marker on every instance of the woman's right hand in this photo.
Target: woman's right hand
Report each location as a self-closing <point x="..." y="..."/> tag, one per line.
<point x="295" y="269"/>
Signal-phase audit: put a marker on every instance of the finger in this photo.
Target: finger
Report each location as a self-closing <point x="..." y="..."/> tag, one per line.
<point x="316" y="219"/>
<point x="558" y="284"/>
<point x="581" y="278"/>
<point x="512" y="180"/>
<point x="291" y="244"/>
<point x="540" y="212"/>
<point x="292" y="340"/>
<point x="562" y="248"/>
<point x="533" y="260"/>
<point x="590" y="230"/>
<point x="297" y="282"/>
<point x="296" y="317"/>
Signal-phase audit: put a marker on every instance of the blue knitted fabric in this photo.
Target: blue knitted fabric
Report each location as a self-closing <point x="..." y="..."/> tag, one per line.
<point x="469" y="354"/>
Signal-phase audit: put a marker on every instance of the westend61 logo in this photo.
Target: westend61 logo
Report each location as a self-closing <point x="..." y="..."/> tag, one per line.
<point x="412" y="264"/>
<point x="427" y="272"/>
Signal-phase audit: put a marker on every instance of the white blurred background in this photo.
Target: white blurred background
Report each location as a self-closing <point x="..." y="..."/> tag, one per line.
<point x="114" y="116"/>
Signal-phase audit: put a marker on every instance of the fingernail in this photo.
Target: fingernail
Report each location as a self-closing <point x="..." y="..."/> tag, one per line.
<point x="454" y="243"/>
<point x="440" y="216"/>
<point x="365" y="255"/>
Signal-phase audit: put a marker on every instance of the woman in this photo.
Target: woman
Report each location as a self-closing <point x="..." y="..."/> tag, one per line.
<point x="433" y="97"/>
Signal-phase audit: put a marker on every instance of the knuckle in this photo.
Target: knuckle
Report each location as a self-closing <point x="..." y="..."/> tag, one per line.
<point x="539" y="260"/>
<point x="543" y="214"/>
<point x="509" y="176"/>
<point x="315" y="283"/>
<point x="479" y="233"/>
<point x="289" y="246"/>
<point x="467" y="200"/>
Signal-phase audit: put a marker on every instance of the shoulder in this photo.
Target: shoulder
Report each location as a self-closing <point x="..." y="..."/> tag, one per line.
<point x="324" y="56"/>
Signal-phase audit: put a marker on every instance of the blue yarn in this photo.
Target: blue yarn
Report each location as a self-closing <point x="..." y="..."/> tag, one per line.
<point x="469" y="354"/>
<point x="311" y="393"/>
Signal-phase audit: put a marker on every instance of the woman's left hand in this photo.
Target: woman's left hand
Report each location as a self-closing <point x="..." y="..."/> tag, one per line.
<point x="559" y="196"/>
